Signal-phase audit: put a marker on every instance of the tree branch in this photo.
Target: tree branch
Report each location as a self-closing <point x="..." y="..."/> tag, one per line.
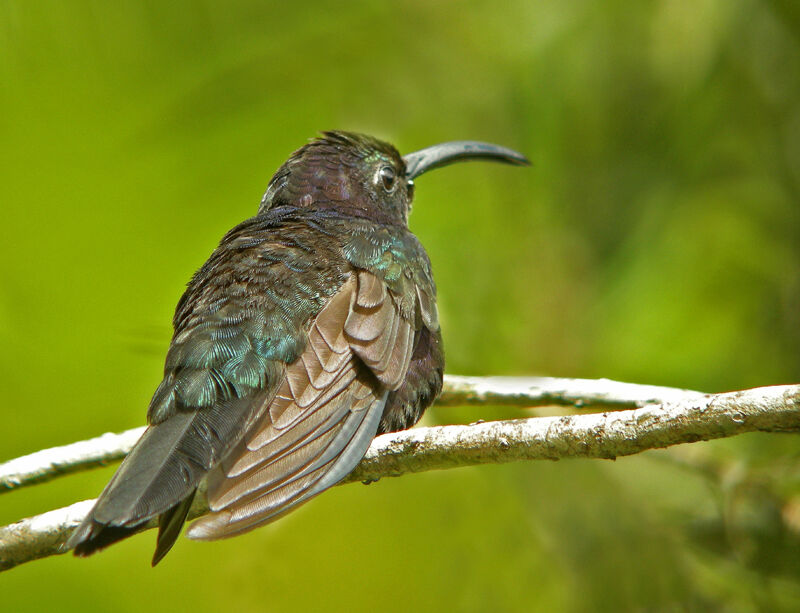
<point x="685" y="417"/>
<point x="55" y="462"/>
<point x="48" y="464"/>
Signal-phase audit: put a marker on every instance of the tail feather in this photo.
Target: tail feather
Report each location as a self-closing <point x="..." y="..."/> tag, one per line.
<point x="169" y="527"/>
<point x="92" y="536"/>
<point x="159" y="477"/>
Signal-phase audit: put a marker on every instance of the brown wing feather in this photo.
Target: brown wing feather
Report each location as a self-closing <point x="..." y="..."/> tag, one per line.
<point x="277" y="458"/>
<point x="322" y="418"/>
<point x="377" y="332"/>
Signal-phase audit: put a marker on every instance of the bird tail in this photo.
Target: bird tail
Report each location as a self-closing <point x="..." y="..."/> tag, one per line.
<point x="160" y="476"/>
<point x="157" y="479"/>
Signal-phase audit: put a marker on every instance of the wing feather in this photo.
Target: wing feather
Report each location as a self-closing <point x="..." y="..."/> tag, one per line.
<point x="324" y="415"/>
<point x="371" y="290"/>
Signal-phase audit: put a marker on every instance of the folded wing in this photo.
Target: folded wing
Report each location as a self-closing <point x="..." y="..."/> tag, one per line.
<point x="324" y="416"/>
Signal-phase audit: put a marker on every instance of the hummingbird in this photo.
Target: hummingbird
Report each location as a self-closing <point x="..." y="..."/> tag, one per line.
<point x="311" y="329"/>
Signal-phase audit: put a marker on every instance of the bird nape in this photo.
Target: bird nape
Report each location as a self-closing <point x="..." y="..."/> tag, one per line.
<point x="311" y="329"/>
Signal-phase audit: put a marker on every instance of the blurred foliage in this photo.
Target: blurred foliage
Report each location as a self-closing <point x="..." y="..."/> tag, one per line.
<point x="656" y="239"/>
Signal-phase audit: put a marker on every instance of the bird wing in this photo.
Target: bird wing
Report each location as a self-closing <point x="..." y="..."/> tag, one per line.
<point x="324" y="415"/>
<point x="242" y="319"/>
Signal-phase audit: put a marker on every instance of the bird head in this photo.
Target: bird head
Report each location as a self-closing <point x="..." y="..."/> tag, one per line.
<point x="364" y="176"/>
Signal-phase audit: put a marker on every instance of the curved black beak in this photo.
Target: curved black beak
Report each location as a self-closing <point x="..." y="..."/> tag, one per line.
<point x="456" y="151"/>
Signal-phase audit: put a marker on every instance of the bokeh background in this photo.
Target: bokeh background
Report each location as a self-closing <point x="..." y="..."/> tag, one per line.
<point x="656" y="239"/>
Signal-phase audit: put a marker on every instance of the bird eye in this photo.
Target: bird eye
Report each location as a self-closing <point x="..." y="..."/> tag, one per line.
<point x="387" y="176"/>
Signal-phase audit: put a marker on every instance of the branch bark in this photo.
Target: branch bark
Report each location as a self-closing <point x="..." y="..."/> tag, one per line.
<point x="682" y="417"/>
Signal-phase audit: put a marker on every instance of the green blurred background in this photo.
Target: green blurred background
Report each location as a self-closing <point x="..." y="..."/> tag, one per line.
<point x="656" y="239"/>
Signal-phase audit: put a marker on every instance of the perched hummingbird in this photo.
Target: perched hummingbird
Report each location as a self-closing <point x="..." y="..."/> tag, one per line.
<point x="311" y="329"/>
